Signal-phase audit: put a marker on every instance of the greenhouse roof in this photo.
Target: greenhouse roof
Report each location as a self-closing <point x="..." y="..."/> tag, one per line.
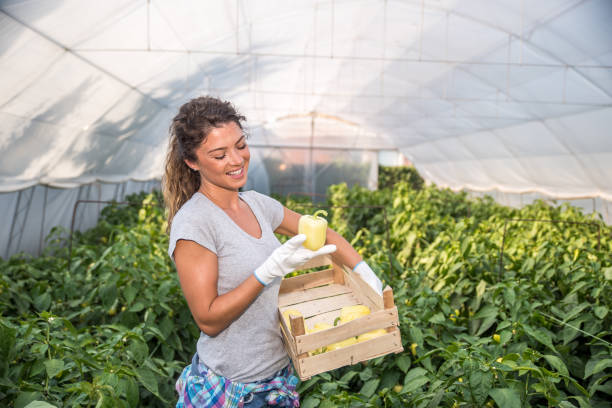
<point x="479" y="94"/>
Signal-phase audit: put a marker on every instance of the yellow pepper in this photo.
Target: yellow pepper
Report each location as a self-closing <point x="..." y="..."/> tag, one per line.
<point x="343" y="343"/>
<point x="371" y="334"/>
<point x="353" y="312"/>
<point x="315" y="229"/>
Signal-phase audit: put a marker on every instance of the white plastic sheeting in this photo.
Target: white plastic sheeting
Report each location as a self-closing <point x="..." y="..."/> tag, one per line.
<point x="34" y="211"/>
<point x="505" y="95"/>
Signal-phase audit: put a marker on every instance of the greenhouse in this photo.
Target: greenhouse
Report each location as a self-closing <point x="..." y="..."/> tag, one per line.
<point x="460" y="150"/>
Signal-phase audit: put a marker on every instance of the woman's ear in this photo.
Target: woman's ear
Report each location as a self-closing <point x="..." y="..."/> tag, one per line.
<point x="191" y="165"/>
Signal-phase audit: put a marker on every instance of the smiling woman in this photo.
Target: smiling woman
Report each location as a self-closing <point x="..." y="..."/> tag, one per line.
<point x="229" y="261"/>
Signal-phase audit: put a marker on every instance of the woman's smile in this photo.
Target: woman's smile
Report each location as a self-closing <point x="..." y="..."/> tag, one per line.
<point x="236" y="174"/>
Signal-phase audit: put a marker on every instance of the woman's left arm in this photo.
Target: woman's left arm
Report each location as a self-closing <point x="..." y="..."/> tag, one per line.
<point x="345" y="253"/>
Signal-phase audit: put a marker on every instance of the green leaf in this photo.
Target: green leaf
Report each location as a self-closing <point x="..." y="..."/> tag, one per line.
<point x="105" y="401"/>
<point x="389" y="379"/>
<point x="39" y="404"/>
<point x="366" y="374"/>
<point x="557" y="364"/>
<point x="600" y="311"/>
<point x="310" y="402"/>
<point x="131" y="391"/>
<point x="403" y="362"/>
<point x="594" y="366"/>
<point x="509" y="296"/>
<point x="608" y="273"/>
<point x="416" y="335"/>
<point x="414" y="384"/>
<point x="8" y="337"/>
<point x="137" y="307"/>
<point x="24" y="398"/>
<point x="54" y="367"/>
<point x="346" y="377"/>
<point x="480" y="289"/>
<point x="42" y="302"/>
<point x="435" y="401"/>
<point x="329" y="388"/>
<point x="304" y="386"/>
<point x="566" y="404"/>
<point x="437" y="318"/>
<point x="369" y="388"/>
<point x="480" y="383"/>
<point x="486" y="324"/>
<point x="486" y="311"/>
<point x="148" y="379"/>
<point x="327" y="404"/>
<point x="130" y="293"/>
<point x="575" y="311"/>
<point x="606" y="388"/>
<point x="506" y="397"/>
<point x="581" y="401"/>
<point x="138" y="350"/>
<point x="540" y="336"/>
<point x="505" y="336"/>
<point x="108" y="294"/>
<point x="414" y="373"/>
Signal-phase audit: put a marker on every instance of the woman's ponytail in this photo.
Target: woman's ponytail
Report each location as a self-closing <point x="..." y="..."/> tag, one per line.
<point x="179" y="182"/>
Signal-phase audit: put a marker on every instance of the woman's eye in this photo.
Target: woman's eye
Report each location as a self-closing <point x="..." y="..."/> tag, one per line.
<point x="220" y="157"/>
<point x="242" y="147"/>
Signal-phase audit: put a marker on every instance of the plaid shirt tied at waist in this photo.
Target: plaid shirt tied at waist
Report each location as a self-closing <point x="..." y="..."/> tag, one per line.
<point x="200" y="387"/>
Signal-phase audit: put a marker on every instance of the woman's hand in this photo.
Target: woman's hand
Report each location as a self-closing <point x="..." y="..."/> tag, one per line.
<point x="287" y="258"/>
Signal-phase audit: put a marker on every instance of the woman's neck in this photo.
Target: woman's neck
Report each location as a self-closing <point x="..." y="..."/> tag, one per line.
<point x="223" y="198"/>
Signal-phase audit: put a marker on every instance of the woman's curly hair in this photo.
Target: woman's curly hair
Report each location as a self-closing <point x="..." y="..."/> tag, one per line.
<point x="188" y="130"/>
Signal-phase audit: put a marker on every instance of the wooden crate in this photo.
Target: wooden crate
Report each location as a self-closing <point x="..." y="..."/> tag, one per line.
<point x="319" y="296"/>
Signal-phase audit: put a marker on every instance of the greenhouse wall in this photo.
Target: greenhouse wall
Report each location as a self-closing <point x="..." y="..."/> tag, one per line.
<point x="588" y="205"/>
<point x="30" y="214"/>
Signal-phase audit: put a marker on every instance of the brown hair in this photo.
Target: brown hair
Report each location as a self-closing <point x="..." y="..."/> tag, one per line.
<point x="188" y="130"/>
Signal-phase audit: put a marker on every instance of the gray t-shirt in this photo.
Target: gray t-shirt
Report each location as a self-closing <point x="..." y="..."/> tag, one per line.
<point x="250" y="348"/>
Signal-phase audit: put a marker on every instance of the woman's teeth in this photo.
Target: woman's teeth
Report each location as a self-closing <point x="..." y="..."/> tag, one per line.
<point x="236" y="172"/>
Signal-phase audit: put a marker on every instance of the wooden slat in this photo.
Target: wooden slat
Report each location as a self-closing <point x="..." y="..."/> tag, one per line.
<point x="309" y="280"/>
<point x="290" y="351"/>
<point x="315" y="307"/>
<point x="320" y="292"/>
<point x="321" y="260"/>
<point x="388" y="300"/>
<point x="363" y="291"/>
<point x="298" y="329"/>
<point x="381" y="319"/>
<point x="286" y="334"/>
<point x="388" y="343"/>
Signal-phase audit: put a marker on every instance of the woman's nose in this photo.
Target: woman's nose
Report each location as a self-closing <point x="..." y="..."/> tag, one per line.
<point x="235" y="157"/>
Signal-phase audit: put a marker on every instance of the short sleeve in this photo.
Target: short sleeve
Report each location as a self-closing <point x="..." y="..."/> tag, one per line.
<point x="191" y="229"/>
<point x="272" y="209"/>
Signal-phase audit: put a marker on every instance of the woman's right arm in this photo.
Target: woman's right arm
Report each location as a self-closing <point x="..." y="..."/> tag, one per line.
<point x="198" y="274"/>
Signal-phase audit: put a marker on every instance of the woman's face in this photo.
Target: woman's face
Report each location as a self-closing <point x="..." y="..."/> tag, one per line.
<point x="223" y="157"/>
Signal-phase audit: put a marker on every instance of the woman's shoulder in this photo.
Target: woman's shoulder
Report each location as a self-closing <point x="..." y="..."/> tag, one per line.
<point x="191" y="209"/>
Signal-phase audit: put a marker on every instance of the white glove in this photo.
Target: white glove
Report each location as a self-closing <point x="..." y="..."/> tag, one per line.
<point x="287" y="258"/>
<point x="366" y="273"/>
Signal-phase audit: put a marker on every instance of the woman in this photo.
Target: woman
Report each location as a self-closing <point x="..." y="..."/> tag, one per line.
<point x="230" y="263"/>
